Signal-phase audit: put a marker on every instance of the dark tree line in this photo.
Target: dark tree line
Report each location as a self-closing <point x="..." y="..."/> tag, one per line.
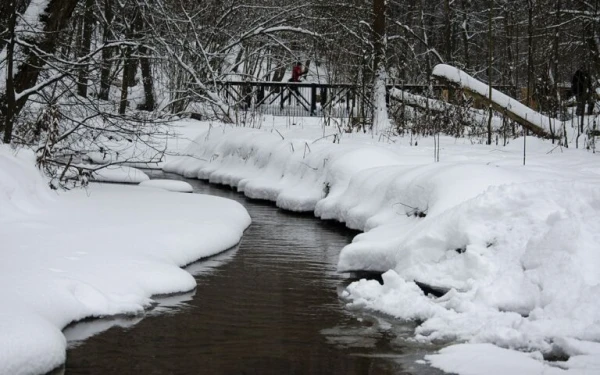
<point x="120" y="59"/>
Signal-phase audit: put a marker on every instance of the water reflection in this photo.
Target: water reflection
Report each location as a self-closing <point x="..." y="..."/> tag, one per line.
<point x="203" y="267"/>
<point x="271" y="306"/>
<point x="77" y="333"/>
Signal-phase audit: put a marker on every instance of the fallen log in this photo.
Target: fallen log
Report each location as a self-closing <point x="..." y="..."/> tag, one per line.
<point x="433" y="105"/>
<point x="535" y="122"/>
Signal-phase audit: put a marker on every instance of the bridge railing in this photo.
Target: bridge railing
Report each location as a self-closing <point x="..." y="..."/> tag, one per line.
<point x="341" y="100"/>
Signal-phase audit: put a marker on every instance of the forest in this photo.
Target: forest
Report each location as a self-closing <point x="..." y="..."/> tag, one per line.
<point x="75" y="73"/>
<point x="313" y="186"/>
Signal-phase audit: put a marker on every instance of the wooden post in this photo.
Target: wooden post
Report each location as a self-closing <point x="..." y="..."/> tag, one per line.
<point x="313" y="99"/>
<point x="323" y="97"/>
<point x="260" y="94"/>
<point x="387" y="95"/>
<point x="347" y="101"/>
<point x="248" y="95"/>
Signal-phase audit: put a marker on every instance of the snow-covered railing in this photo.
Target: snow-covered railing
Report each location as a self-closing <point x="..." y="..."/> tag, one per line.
<point x="534" y="121"/>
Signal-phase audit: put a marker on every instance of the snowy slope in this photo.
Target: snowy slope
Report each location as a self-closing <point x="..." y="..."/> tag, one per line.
<point x="516" y="245"/>
<point x="88" y="253"/>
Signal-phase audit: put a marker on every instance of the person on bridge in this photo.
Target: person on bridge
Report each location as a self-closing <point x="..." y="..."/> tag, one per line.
<point x="297" y="72"/>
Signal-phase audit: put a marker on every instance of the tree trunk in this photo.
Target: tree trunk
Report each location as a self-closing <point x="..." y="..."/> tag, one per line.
<point x="129" y="68"/>
<point x="6" y="9"/>
<point x="127" y="72"/>
<point x="448" y="32"/>
<point x="380" y="115"/>
<point x="10" y="90"/>
<point x="132" y="66"/>
<point x="490" y="62"/>
<point x="509" y="32"/>
<point x="279" y="73"/>
<point x="54" y="19"/>
<point x="594" y="50"/>
<point x="88" y="20"/>
<point x="147" y="80"/>
<point x="106" y="53"/>
<point x="555" y="62"/>
<point x="145" y="67"/>
<point x="530" y="82"/>
<point x="465" y="33"/>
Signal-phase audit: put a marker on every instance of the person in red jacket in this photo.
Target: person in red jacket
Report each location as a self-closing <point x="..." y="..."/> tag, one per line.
<point x="297" y="72"/>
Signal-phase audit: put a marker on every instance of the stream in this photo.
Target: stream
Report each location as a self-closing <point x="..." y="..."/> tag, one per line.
<point x="271" y="305"/>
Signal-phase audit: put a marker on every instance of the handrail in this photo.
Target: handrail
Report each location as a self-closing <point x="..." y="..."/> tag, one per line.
<point x="332" y="85"/>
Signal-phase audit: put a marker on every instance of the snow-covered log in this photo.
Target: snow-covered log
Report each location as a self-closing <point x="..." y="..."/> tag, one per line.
<point x="418" y="101"/>
<point x="534" y="121"/>
<point x="434" y="105"/>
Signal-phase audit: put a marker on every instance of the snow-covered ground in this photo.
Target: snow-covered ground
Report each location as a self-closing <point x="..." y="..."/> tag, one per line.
<point x="100" y="251"/>
<point x="517" y="246"/>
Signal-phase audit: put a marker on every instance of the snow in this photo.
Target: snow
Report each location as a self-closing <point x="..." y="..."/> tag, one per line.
<point x="381" y="121"/>
<point x="516" y="246"/>
<point x="119" y="173"/>
<point x="101" y="251"/>
<point x="170" y="185"/>
<point x="477" y="359"/>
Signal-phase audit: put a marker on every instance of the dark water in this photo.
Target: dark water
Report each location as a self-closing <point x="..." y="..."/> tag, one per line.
<point x="269" y="306"/>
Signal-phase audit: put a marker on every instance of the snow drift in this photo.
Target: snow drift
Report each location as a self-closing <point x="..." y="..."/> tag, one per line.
<point x="516" y="246"/>
<point x="93" y="253"/>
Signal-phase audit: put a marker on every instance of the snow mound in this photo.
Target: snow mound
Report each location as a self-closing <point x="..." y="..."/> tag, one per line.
<point x="23" y="190"/>
<point x="101" y="251"/>
<point x="477" y="359"/>
<point x="121" y="174"/>
<point x="170" y="185"/>
<point x="493" y="360"/>
<point x="522" y="259"/>
<point x="264" y="166"/>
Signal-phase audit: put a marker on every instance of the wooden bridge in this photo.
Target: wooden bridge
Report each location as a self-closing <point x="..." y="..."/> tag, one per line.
<point x="307" y="99"/>
<point x="342" y="100"/>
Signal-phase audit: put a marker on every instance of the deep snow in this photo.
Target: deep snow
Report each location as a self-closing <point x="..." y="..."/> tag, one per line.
<point x="516" y="245"/>
<point x="89" y="253"/>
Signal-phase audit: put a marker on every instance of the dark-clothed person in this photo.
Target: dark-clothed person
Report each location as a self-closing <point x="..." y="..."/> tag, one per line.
<point x="581" y="86"/>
